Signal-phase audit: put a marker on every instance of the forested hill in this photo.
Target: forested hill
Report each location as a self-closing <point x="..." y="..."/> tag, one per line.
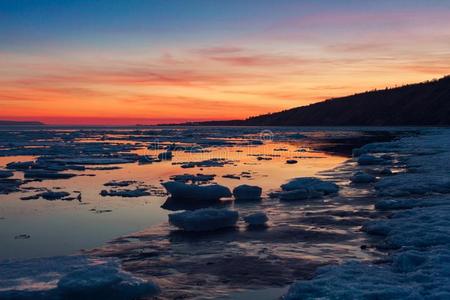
<point x="426" y="103"/>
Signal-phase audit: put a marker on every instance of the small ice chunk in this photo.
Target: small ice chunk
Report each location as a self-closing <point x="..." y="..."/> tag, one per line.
<point x="367" y="159"/>
<point x="193" y="178"/>
<point x="138" y="192"/>
<point x="296" y="136"/>
<point x="256" y="219"/>
<point x="311" y="184"/>
<point x="247" y="192"/>
<point x="231" y="176"/>
<point x="168" y="155"/>
<point x="206" y="219"/>
<point x="104" y="282"/>
<point x="46" y="174"/>
<point x="408" y="261"/>
<point x="385" y="171"/>
<point x="362" y="177"/>
<point x="20" y="165"/>
<point x="6" y="174"/>
<point x="119" y="183"/>
<point x="23" y="236"/>
<point x="181" y="190"/>
<point x="95" y="160"/>
<point x="300" y="194"/>
<point x="9" y="185"/>
<point x="50" y="195"/>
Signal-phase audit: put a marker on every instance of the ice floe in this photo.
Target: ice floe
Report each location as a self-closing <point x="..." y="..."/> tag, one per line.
<point x="311" y="184"/>
<point x="9" y="185"/>
<point x="71" y="277"/>
<point x="24" y="165"/>
<point x="6" y="174"/>
<point x="46" y="174"/>
<point x="213" y="162"/>
<point x="49" y="195"/>
<point x="168" y="155"/>
<point x="247" y="192"/>
<point x="206" y="219"/>
<point x="127" y="193"/>
<point x="362" y="177"/>
<point x="198" y="178"/>
<point x="256" y="219"/>
<point x="183" y="191"/>
<point x="367" y="159"/>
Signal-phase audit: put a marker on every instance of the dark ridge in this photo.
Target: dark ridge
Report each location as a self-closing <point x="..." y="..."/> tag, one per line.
<point x="421" y="104"/>
<point x="20" y="123"/>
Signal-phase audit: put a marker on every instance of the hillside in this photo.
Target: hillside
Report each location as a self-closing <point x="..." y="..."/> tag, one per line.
<point x="426" y="103"/>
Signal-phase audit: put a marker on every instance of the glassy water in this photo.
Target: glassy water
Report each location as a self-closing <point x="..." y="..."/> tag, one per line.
<point x="300" y="237"/>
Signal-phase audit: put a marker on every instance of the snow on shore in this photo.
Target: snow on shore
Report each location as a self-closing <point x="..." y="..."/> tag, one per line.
<point x="417" y="232"/>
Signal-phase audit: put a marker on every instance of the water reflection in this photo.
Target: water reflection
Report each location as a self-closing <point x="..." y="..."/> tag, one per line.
<point x="62" y="227"/>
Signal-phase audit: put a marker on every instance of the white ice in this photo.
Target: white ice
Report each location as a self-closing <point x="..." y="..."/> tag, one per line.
<point x="206" y="219"/>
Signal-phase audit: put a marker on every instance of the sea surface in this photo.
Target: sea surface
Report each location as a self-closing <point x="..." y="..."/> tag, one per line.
<point x="301" y="236"/>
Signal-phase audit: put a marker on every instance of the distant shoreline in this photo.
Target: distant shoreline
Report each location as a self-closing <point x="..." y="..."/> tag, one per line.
<point x="21" y="123"/>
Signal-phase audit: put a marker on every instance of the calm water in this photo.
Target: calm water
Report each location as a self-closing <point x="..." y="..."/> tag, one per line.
<point x="63" y="227"/>
<point x="301" y="236"/>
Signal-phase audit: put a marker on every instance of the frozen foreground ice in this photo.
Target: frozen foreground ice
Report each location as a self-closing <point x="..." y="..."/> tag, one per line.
<point x="206" y="219"/>
<point x="417" y="232"/>
<point x="70" y="277"/>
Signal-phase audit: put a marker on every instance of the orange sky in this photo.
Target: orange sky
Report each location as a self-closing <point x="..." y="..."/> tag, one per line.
<point x="285" y="63"/>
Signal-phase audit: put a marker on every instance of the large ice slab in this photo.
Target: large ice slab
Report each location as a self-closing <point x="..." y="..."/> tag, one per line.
<point x="206" y="219"/>
<point x="247" y="192"/>
<point x="183" y="191"/>
<point x="311" y="184"/>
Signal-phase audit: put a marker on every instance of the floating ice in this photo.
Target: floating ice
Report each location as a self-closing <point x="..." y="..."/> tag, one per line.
<point x="247" y="192"/>
<point x="183" y="191"/>
<point x="206" y="219"/>
<point x="104" y="282"/>
<point x="362" y="177"/>
<point x="231" y="176"/>
<point x="6" y="174"/>
<point x="168" y="155"/>
<point x="395" y="204"/>
<point x="20" y="165"/>
<point x="49" y="195"/>
<point x="95" y="160"/>
<point x="138" y="192"/>
<point x="300" y="194"/>
<point x="70" y="277"/>
<point x="367" y="159"/>
<point x="119" y="183"/>
<point x="193" y="178"/>
<point x="213" y="162"/>
<point x="385" y="171"/>
<point x="46" y="174"/>
<point x="311" y="184"/>
<point x="9" y="185"/>
<point x="256" y="219"/>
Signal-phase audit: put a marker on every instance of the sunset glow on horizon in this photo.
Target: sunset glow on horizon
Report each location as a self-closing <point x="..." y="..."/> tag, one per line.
<point x="151" y="62"/>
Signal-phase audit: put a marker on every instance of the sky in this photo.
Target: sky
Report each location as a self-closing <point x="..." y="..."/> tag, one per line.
<point x="131" y="62"/>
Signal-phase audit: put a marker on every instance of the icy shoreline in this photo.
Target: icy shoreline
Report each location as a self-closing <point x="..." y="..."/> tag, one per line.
<point x="316" y="227"/>
<point x="416" y="233"/>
